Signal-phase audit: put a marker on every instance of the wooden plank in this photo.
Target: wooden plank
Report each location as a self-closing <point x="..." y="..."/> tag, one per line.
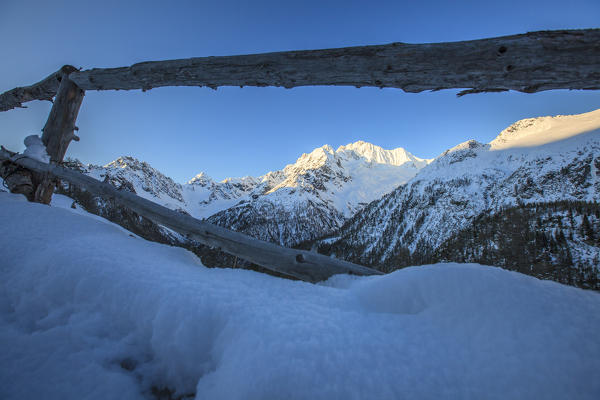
<point x="59" y="131"/>
<point x="305" y="265"/>
<point x="531" y="62"/>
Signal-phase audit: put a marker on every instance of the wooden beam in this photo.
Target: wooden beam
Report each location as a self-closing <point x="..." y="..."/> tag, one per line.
<point x="43" y="90"/>
<point x="305" y="265"/>
<point x="531" y="62"/>
<point x="16" y="178"/>
<point x="59" y="130"/>
<point x="60" y="127"/>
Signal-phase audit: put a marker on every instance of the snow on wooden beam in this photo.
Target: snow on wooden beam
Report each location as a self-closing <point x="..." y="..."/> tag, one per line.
<point x="305" y="265"/>
<point x="531" y="62"/>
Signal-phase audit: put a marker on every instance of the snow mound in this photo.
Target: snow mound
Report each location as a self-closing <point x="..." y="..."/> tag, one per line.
<point x="87" y="311"/>
<point x="34" y="148"/>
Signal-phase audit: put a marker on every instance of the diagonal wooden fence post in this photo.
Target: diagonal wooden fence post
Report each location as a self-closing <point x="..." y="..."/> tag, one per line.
<point x="302" y="264"/>
<point x="59" y="130"/>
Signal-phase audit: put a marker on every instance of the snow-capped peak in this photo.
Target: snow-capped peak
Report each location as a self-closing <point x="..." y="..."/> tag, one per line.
<point x="125" y="162"/>
<point x="140" y="177"/>
<point x="245" y="181"/>
<point x="201" y="179"/>
<point x="379" y="155"/>
<point x="538" y="131"/>
<point x="315" y="158"/>
<point x="469" y="144"/>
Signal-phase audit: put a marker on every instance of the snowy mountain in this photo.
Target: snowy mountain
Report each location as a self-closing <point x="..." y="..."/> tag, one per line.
<point x="315" y="195"/>
<point x="305" y="200"/>
<point x="533" y="162"/>
<point x="140" y="178"/>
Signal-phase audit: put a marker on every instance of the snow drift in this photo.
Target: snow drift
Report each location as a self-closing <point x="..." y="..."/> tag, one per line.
<point x="88" y="311"/>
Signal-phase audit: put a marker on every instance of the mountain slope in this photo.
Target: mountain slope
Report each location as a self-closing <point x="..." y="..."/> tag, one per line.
<point x="555" y="240"/>
<point x="534" y="161"/>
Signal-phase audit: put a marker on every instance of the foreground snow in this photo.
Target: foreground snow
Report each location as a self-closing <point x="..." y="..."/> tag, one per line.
<point x="89" y="312"/>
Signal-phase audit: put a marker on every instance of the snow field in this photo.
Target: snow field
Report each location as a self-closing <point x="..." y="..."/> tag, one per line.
<point x="89" y="312"/>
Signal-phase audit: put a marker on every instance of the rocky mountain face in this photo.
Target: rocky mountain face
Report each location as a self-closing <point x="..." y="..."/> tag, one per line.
<point x="106" y="208"/>
<point x="538" y="177"/>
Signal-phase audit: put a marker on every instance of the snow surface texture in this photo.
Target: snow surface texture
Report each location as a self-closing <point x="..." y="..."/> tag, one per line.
<point x="89" y="312"/>
<point x="34" y="148"/>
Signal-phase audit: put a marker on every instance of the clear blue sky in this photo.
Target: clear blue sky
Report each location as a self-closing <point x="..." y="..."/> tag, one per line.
<point x="249" y="131"/>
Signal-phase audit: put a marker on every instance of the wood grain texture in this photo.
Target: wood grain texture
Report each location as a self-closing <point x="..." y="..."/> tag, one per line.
<point x="531" y="62"/>
<point x="58" y="132"/>
<point x="305" y="265"/>
<point x="60" y="127"/>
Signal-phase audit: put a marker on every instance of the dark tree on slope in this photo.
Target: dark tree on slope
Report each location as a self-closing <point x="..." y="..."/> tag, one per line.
<point x="535" y="239"/>
<point x="557" y="240"/>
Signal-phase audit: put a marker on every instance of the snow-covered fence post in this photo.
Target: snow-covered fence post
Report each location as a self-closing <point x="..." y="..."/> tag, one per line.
<point x="59" y="129"/>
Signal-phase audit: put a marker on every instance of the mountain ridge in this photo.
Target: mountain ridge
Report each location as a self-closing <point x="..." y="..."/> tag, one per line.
<point x="307" y="198"/>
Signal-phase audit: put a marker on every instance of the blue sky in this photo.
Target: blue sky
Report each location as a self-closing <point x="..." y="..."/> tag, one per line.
<point x="249" y="131"/>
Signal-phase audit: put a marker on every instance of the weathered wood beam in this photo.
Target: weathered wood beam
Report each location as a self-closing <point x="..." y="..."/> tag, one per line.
<point x="16" y="178"/>
<point x="531" y="62"/>
<point x="59" y="130"/>
<point x="43" y="90"/>
<point x="60" y="127"/>
<point x="305" y="265"/>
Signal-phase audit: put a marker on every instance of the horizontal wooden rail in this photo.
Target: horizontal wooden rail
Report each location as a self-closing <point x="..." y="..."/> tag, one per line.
<point x="305" y="265"/>
<point x="530" y="62"/>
